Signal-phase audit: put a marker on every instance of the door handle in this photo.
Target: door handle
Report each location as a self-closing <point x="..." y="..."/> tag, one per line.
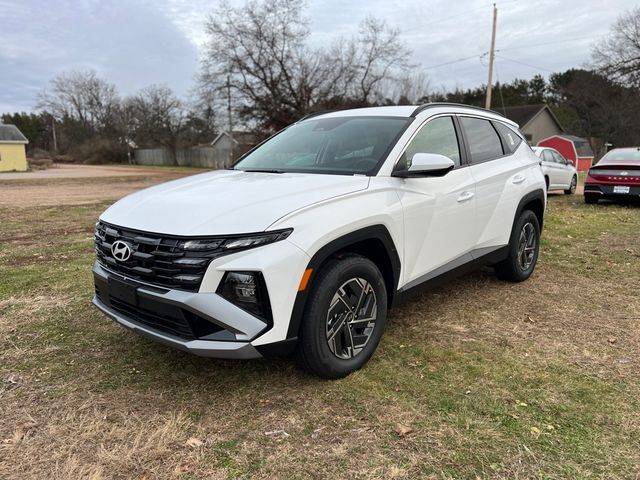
<point x="464" y="196"/>
<point x="518" y="179"/>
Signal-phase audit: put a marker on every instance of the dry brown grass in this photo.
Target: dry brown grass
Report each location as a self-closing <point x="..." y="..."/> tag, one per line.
<point x="495" y="380"/>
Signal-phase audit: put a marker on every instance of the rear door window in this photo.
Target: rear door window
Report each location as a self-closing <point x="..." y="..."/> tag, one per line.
<point x="484" y="142"/>
<point x="510" y="139"/>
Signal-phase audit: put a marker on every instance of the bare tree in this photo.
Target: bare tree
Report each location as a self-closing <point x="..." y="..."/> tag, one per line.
<point x="618" y="55"/>
<point x="83" y="97"/>
<point x="202" y="118"/>
<point x="261" y="49"/>
<point x="380" y="55"/>
<point x="412" y="88"/>
<point x="156" y="117"/>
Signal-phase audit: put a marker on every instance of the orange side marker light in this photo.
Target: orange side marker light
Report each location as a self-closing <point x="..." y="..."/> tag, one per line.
<point x="305" y="279"/>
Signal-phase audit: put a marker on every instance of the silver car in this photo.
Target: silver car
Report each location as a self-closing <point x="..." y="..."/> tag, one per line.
<point x="559" y="173"/>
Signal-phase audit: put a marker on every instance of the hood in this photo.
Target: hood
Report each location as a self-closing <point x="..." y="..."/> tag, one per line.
<point x="226" y="201"/>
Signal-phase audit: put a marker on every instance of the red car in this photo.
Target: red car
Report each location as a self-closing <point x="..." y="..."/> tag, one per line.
<point x="615" y="177"/>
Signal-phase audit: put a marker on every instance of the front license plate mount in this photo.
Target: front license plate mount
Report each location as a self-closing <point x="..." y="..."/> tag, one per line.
<point x="123" y="291"/>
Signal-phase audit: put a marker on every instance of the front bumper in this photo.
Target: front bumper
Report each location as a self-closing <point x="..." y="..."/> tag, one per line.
<point x="201" y="323"/>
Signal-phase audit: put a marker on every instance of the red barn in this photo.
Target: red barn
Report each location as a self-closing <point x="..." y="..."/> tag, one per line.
<point x="573" y="148"/>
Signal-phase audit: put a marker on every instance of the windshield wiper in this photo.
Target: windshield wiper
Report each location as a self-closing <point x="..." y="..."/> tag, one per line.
<point x="262" y="170"/>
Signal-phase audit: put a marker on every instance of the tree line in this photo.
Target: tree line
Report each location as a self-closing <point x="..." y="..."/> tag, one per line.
<point x="259" y="70"/>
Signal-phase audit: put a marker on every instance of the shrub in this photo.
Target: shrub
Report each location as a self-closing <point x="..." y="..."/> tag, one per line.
<point x="38" y="153"/>
<point x="63" y="159"/>
<point x="99" y="150"/>
<point x="40" y="163"/>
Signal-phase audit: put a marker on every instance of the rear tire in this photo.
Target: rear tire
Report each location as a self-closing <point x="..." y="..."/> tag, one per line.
<point x="524" y="247"/>
<point x="344" y="318"/>
<point x="573" y="186"/>
<point x="590" y="200"/>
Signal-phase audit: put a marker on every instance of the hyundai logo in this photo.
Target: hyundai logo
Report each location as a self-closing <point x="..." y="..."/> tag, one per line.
<point x="121" y="251"/>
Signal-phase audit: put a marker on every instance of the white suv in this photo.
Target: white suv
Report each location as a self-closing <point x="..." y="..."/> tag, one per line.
<point x="306" y="243"/>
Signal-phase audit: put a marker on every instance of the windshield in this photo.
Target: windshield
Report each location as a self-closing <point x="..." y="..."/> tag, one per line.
<point x="622" y="155"/>
<point x="339" y="145"/>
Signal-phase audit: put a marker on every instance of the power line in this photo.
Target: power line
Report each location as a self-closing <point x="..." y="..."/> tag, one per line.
<point x="524" y="63"/>
<point x="481" y="56"/>
<point x="453" y="61"/>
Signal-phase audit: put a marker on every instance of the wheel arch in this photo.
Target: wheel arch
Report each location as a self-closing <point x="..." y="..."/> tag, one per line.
<point x="534" y="201"/>
<point x="373" y="242"/>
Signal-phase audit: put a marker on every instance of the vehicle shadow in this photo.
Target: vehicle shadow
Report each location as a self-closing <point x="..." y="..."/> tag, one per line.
<point x="161" y="367"/>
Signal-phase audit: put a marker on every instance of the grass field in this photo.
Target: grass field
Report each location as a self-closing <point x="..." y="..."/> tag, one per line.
<point x="478" y="379"/>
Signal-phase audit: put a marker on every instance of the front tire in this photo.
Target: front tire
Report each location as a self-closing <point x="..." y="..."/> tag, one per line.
<point x="344" y="318"/>
<point x="590" y="200"/>
<point x="573" y="186"/>
<point x="524" y="247"/>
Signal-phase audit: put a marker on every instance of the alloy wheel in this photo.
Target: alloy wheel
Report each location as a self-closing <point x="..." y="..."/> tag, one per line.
<point x="351" y="318"/>
<point x="527" y="246"/>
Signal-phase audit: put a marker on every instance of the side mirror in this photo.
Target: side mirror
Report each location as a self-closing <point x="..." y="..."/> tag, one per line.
<point x="426" y="165"/>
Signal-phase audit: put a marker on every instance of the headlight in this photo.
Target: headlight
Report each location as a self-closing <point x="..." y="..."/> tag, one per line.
<point x="234" y="243"/>
<point x="256" y="240"/>
<point x="248" y="291"/>
<point x="200" y="245"/>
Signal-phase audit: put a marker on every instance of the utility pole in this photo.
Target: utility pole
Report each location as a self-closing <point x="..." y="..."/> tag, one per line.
<point x="53" y="131"/>
<point x="487" y="103"/>
<point x="230" y="124"/>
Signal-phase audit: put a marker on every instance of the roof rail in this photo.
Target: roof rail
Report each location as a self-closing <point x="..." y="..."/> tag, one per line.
<point x="314" y="114"/>
<point x="450" y="104"/>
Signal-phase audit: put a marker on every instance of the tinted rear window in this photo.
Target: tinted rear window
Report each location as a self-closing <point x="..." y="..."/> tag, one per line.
<point x="510" y="139"/>
<point x="484" y="142"/>
<point x="626" y="155"/>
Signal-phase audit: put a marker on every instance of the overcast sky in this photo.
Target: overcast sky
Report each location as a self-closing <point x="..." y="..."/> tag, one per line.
<point x="137" y="43"/>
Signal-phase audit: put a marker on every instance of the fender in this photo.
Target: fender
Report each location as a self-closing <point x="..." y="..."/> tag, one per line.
<point x="374" y="232"/>
<point x="538" y="194"/>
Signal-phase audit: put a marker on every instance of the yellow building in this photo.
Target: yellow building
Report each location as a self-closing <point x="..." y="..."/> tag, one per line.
<point x="13" y="156"/>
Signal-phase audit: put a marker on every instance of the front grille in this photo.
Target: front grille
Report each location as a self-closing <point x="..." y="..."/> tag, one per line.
<point x="155" y="259"/>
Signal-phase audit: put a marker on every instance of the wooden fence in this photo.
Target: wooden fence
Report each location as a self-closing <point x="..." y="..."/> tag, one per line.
<point x="207" y="157"/>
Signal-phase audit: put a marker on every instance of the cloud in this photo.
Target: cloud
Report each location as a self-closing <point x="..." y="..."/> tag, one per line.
<point x="130" y="44"/>
<point x="134" y="44"/>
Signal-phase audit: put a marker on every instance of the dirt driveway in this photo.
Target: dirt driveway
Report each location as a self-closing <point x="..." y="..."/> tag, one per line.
<point x="81" y="184"/>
